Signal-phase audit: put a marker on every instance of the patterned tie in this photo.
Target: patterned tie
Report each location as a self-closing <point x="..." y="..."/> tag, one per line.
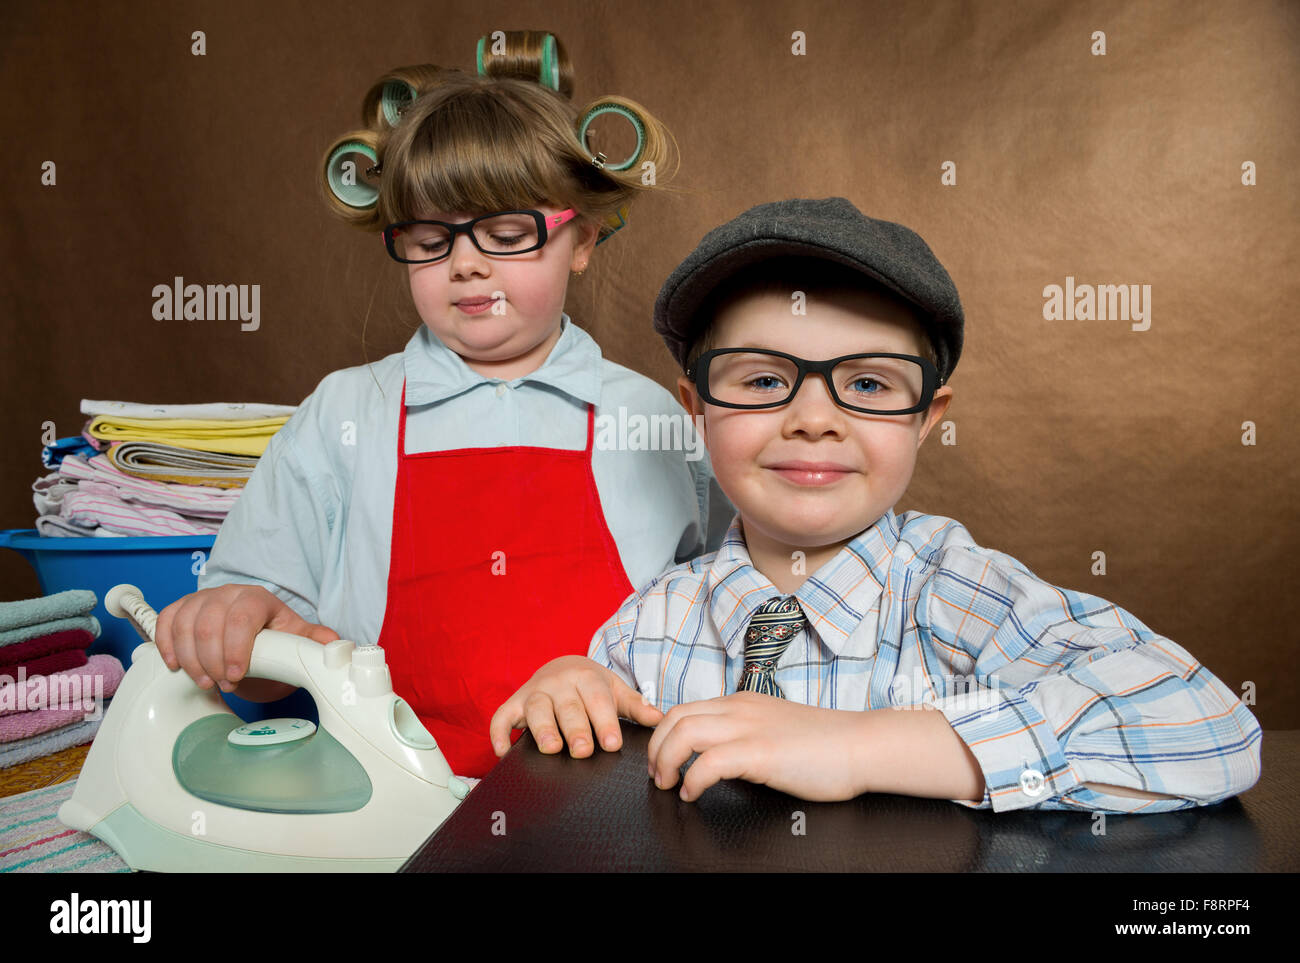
<point x="777" y="621"/>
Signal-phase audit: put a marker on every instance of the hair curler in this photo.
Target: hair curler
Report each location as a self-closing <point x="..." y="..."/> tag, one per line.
<point x="630" y="116"/>
<point x="394" y="92"/>
<point x="345" y="173"/>
<point x="548" y="73"/>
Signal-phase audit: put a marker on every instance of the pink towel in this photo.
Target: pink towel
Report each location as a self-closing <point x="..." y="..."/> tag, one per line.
<point x="64" y="696"/>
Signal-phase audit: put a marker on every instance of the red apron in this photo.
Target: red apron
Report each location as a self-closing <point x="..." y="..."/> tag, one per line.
<point x="501" y="561"/>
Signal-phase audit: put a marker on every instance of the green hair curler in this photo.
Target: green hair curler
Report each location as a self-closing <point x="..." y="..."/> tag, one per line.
<point x="549" y="73"/>
<point x="627" y="114"/>
<point x="397" y="95"/>
<point x="356" y="194"/>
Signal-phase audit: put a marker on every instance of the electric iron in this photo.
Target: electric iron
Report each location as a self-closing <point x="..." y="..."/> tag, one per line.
<point x="176" y="782"/>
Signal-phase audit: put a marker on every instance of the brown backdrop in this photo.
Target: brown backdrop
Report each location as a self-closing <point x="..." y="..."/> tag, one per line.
<point x="1072" y="437"/>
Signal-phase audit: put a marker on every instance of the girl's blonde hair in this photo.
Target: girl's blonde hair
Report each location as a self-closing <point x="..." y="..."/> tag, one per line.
<point x="501" y="141"/>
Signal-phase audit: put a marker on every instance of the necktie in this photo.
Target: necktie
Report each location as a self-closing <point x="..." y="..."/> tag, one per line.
<point x="777" y="621"/>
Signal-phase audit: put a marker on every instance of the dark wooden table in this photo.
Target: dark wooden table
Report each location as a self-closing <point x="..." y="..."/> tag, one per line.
<point x="536" y="813"/>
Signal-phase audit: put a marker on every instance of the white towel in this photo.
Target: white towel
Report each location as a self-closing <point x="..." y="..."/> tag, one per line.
<point x="56" y="526"/>
<point x="48" y="492"/>
<point x="216" y="409"/>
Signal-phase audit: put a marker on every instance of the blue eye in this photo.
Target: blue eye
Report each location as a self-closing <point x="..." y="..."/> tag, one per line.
<point x="765" y="383"/>
<point x="866" y="381"/>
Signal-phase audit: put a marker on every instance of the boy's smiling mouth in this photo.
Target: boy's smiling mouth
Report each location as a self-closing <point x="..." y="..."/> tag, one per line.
<point x="813" y="473"/>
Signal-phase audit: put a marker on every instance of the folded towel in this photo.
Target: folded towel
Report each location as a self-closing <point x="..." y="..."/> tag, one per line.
<point x="244" y="437"/>
<point x="46" y="664"/>
<point x="189" y="500"/>
<point x="56" y="526"/>
<point x="48" y="492"/>
<point x="212" y="510"/>
<point x="47" y="702"/>
<point x="46" y="644"/>
<point x="216" y="409"/>
<point x="47" y="608"/>
<point x="10" y="636"/>
<point x="164" y="463"/>
<point x="87" y="507"/>
<point x="25" y="750"/>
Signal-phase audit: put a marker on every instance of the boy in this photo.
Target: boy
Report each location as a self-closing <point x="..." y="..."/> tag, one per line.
<point x="783" y="657"/>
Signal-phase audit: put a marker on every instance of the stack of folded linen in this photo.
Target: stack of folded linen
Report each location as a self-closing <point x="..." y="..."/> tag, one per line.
<point x="143" y="469"/>
<point x="52" y="694"/>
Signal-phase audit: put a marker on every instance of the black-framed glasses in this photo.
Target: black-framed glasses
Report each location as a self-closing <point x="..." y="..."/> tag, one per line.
<point x="879" y="383"/>
<point x="499" y="234"/>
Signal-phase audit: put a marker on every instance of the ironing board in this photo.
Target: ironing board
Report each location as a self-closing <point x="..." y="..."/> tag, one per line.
<point x="539" y="813"/>
<point x="32" y="840"/>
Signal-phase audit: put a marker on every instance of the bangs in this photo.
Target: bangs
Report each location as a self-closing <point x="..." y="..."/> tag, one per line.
<point x="470" y="153"/>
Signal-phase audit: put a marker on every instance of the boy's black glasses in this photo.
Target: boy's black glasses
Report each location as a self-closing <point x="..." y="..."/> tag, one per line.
<point x="874" y="384"/>
<point x="499" y="234"/>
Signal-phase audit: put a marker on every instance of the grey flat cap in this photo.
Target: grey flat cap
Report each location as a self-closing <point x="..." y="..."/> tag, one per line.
<point x="831" y="229"/>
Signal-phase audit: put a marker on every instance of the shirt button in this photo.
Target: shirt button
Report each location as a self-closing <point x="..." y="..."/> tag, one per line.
<point x="1032" y="782"/>
<point x="501" y="390"/>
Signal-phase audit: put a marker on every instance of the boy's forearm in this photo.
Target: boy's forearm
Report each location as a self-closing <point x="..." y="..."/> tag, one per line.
<point x="915" y="752"/>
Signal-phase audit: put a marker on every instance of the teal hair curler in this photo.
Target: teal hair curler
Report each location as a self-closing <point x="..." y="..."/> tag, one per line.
<point x="352" y="192"/>
<point x="549" y="73"/>
<point x="627" y="114"/>
<point x="397" y="95"/>
<point x="390" y="96"/>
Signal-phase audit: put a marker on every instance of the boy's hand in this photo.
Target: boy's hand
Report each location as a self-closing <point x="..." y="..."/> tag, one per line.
<point x="806" y="751"/>
<point x="576" y="693"/>
<point x="210" y="633"/>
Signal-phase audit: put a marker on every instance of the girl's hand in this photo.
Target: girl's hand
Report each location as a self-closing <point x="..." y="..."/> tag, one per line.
<point x="210" y="635"/>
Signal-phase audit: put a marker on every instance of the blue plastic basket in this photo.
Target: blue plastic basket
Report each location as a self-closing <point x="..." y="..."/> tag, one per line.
<point x="164" y="568"/>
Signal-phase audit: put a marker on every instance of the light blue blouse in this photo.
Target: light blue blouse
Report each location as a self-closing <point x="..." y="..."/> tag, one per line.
<point x="314" y="524"/>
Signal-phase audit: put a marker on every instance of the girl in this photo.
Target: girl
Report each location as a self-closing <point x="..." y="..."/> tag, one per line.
<point x="449" y="501"/>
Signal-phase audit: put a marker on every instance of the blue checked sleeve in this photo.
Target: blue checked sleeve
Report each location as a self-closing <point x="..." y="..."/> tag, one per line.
<point x="611" y="645"/>
<point x="1070" y="689"/>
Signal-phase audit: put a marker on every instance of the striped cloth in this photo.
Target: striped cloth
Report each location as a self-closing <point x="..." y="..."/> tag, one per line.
<point x="1049" y="688"/>
<point x="32" y="840"/>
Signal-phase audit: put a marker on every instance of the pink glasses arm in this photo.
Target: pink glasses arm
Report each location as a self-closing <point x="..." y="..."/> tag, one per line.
<point x="555" y="220"/>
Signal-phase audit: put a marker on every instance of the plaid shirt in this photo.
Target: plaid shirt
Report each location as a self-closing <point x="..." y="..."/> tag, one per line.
<point x="1049" y="688"/>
